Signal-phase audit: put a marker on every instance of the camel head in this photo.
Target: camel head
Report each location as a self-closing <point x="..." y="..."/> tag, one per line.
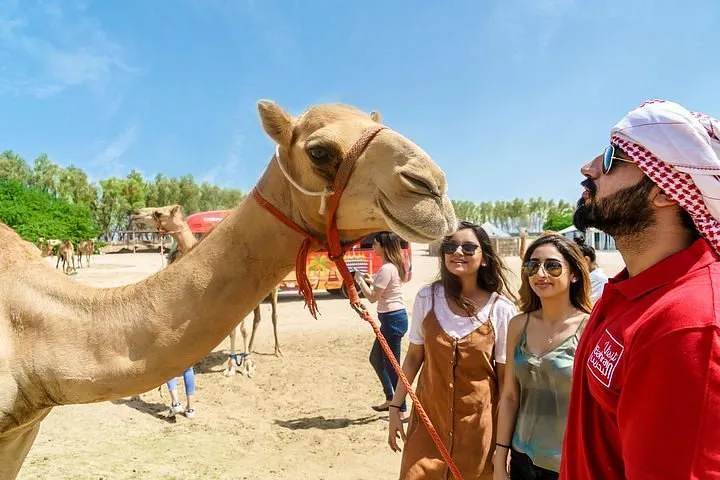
<point x="394" y="184"/>
<point x="169" y="218"/>
<point x="141" y="219"/>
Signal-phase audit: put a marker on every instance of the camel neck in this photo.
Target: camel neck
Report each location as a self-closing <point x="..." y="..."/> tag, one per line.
<point x="185" y="238"/>
<point x="141" y="335"/>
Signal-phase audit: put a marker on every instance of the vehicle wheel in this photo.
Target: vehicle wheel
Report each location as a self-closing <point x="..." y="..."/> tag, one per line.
<point x="335" y="291"/>
<point x="345" y="291"/>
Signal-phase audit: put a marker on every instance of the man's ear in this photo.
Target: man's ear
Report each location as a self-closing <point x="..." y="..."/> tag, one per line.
<point x="660" y="199"/>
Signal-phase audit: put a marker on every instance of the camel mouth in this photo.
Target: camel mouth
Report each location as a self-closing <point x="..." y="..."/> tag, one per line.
<point x="405" y="230"/>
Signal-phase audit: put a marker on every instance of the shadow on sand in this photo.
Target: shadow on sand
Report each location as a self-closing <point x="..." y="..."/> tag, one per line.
<point x="157" y="410"/>
<point x="213" y="362"/>
<point x="322" y="423"/>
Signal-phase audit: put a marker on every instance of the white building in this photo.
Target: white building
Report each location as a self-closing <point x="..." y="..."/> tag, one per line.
<point x="593" y="237"/>
<point x="493" y="231"/>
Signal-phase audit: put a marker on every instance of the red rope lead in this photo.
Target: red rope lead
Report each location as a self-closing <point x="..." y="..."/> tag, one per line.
<point x="336" y="251"/>
<point x="362" y="311"/>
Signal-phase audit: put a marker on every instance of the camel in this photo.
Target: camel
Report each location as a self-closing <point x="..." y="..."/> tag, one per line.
<point x="63" y="342"/>
<point x="142" y="219"/>
<point x="523" y="242"/>
<point x="171" y="220"/>
<point x="87" y="248"/>
<point x="47" y="247"/>
<point x="66" y="252"/>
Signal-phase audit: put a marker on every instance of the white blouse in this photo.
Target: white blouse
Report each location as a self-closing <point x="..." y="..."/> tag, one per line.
<point x="458" y="326"/>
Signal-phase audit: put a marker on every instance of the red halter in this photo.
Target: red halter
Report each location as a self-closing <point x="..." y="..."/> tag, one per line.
<point x="333" y="244"/>
<point x="336" y="250"/>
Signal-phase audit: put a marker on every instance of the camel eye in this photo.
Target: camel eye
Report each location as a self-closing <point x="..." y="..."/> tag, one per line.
<point x="319" y="155"/>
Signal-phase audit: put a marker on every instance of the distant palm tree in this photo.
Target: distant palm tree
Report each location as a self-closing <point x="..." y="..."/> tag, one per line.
<point x="319" y="264"/>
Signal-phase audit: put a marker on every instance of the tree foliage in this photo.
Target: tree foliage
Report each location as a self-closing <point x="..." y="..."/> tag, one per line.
<point x="510" y="216"/>
<point x="33" y="213"/>
<point x="558" y="221"/>
<point x="108" y="201"/>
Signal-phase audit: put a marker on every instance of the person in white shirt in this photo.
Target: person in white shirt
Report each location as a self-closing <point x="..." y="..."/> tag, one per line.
<point x="386" y="290"/>
<point x="457" y="347"/>
<point x="598" y="279"/>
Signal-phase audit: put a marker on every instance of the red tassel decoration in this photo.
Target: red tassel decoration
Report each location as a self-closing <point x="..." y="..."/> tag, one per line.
<point x="304" y="286"/>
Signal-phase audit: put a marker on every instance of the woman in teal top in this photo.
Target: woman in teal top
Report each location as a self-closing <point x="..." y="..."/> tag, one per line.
<point x="555" y="302"/>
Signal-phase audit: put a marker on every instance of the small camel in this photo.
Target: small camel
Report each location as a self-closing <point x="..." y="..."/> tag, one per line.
<point x="66" y="252"/>
<point x="46" y="249"/>
<point x="49" y="246"/>
<point x="87" y="248"/>
<point x="171" y="220"/>
<point x="66" y="343"/>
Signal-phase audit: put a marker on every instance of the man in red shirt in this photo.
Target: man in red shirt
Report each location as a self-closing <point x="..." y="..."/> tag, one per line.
<point x="645" y="400"/>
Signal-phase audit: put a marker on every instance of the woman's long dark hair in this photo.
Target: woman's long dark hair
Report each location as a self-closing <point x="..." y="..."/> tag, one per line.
<point x="392" y="246"/>
<point x="492" y="277"/>
<point x="579" y="291"/>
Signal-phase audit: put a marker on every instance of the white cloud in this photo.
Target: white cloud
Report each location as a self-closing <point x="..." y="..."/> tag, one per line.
<point x="227" y="172"/>
<point x="108" y="159"/>
<point x="45" y="50"/>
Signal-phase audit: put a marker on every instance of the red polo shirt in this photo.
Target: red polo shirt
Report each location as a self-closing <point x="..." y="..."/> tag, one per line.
<point x="645" y="400"/>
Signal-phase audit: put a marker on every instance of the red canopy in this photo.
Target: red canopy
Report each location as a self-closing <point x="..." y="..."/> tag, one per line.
<point x="203" y="222"/>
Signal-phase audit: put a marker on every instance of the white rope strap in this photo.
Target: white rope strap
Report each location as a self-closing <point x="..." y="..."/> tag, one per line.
<point x="323" y="195"/>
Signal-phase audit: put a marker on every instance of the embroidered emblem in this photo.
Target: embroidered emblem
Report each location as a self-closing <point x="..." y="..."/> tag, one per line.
<point x="605" y="358"/>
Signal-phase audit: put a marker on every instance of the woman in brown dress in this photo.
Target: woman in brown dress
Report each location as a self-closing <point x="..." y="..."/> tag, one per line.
<point x="457" y="343"/>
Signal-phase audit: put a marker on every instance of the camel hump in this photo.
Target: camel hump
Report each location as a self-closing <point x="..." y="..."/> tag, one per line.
<point x="13" y="247"/>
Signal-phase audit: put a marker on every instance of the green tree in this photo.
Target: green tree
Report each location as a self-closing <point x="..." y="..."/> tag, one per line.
<point x="74" y="187"/>
<point x="13" y="167"/>
<point x="45" y="175"/>
<point x="210" y="197"/>
<point x="229" y="198"/>
<point x="165" y="192"/>
<point x="134" y="190"/>
<point x="33" y="213"/>
<point x="558" y="221"/>
<point x="189" y="194"/>
<point x="112" y="209"/>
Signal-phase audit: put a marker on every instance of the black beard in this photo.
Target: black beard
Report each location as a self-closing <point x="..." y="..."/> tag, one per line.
<point x="624" y="213"/>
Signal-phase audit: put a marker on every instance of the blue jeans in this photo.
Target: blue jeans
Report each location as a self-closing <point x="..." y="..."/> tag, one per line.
<point x="393" y="326"/>
<point x="188" y="378"/>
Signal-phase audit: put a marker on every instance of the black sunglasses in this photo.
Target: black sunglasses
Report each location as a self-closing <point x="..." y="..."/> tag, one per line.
<point x="468" y="248"/>
<point x="608" y="157"/>
<point x="552" y="267"/>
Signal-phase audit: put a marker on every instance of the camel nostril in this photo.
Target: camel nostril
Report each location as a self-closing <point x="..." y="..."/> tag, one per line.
<point x="419" y="185"/>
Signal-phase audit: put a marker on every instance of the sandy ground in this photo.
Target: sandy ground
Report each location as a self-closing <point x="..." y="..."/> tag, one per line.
<point x="306" y="415"/>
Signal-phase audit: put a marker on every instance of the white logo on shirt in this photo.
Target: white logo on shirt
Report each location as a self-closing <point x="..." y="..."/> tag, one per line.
<point x="605" y="357"/>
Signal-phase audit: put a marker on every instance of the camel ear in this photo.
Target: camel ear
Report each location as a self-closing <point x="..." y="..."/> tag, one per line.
<point x="276" y="122"/>
<point x="375" y="116"/>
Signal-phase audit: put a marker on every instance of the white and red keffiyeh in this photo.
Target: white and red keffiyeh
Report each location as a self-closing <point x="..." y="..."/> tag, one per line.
<point x="680" y="151"/>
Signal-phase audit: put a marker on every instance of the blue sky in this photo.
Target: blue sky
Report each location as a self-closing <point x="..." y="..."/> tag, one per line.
<point x="510" y="97"/>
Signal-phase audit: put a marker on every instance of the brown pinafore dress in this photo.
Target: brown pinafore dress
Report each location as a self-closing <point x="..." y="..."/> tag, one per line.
<point x="459" y="390"/>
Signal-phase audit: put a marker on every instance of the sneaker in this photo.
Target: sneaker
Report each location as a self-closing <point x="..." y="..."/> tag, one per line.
<point x="190" y="413"/>
<point x="175" y="408"/>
